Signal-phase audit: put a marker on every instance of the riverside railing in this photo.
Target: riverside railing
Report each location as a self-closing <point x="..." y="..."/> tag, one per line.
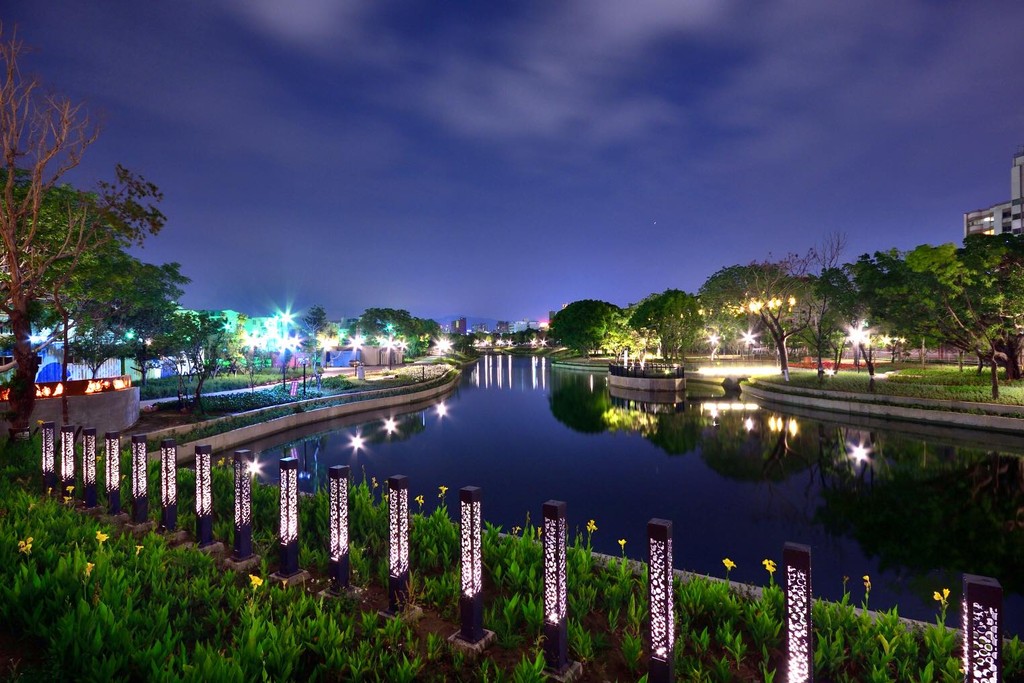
<point x="646" y="370"/>
<point x="981" y="614"/>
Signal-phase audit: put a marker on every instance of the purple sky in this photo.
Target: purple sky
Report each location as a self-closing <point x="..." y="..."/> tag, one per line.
<point x="500" y="158"/>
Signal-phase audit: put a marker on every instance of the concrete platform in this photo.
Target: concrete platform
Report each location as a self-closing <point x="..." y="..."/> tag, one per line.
<point x="572" y="672"/>
<point x="471" y="650"/>
<point x="410" y="613"/>
<point x="297" y="579"/>
<point x="242" y="565"/>
<point x="140" y="529"/>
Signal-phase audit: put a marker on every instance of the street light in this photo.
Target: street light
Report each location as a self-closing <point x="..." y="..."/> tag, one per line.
<point x="749" y="338"/>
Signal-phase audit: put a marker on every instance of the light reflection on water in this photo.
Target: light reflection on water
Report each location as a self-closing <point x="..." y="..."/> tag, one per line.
<point x="738" y="480"/>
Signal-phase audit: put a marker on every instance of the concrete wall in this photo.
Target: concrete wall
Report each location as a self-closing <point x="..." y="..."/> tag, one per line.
<point x="672" y="384"/>
<point x="228" y="440"/>
<point x="937" y="412"/>
<point x="107" y="411"/>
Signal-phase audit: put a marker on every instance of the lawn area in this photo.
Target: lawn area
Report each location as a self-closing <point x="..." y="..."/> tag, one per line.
<point x="941" y="383"/>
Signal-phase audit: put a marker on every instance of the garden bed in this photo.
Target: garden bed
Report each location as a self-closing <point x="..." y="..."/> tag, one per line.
<point x="108" y="606"/>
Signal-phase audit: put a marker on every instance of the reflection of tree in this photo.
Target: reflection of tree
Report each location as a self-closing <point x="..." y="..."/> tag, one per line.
<point x="575" y="405"/>
<point x="965" y="507"/>
<point x="677" y="433"/>
<point x="757" y="446"/>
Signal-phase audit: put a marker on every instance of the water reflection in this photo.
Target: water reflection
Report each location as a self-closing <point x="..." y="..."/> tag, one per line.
<point x="911" y="511"/>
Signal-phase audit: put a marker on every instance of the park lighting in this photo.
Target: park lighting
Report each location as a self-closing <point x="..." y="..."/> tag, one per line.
<point x="749" y="337"/>
<point x="338" y="565"/>
<point x="244" y="469"/>
<point x="112" y="455"/>
<point x="398" y="547"/>
<point x="169" y="484"/>
<point x="442" y="410"/>
<point x="471" y="567"/>
<point x="204" y="495"/>
<point x="796" y="559"/>
<point x="48" y="457"/>
<point x="89" y="467"/>
<point x="858" y="453"/>
<point x="67" y="459"/>
<point x="390" y="425"/>
<point x="555" y="623"/>
<point x="289" y="529"/>
<point x="140" y="487"/>
<point x="444" y="345"/>
<point x="663" y="632"/>
<point x="981" y="622"/>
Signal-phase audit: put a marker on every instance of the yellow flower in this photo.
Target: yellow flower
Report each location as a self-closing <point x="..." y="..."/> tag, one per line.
<point x="419" y="499"/>
<point x="49" y="490"/>
<point x="255" y="581"/>
<point x="88" y="568"/>
<point x="221" y="462"/>
<point x="942" y="598"/>
<point x="729" y="564"/>
<point x="867" y="583"/>
<point x="373" y="480"/>
<point x="769" y="566"/>
<point x="25" y="547"/>
<point x="100" y="536"/>
<point x="443" y="490"/>
<point x="516" y="530"/>
<point x="69" y="489"/>
<point x="622" y="543"/>
<point x="67" y="499"/>
<point x="591" y="526"/>
<point x="138" y="549"/>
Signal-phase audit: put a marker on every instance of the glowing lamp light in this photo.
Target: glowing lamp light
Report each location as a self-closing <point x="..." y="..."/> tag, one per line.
<point x="289" y="531"/>
<point x="168" y="485"/>
<point x="981" y="621"/>
<point x="204" y="495"/>
<point x="140" y="487"/>
<point x="471" y="606"/>
<point x="398" y="550"/>
<point x="663" y="630"/>
<point x="89" y="467"/>
<point x="442" y="410"/>
<point x="112" y="457"/>
<point x="555" y="598"/>
<point x="48" y="456"/>
<point x="338" y="564"/>
<point x="67" y="458"/>
<point x="799" y="636"/>
<point x="357" y="443"/>
<point x="390" y="425"/>
<point x="244" y="468"/>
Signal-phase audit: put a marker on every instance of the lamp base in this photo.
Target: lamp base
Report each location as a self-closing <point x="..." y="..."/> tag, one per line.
<point x="470" y="650"/>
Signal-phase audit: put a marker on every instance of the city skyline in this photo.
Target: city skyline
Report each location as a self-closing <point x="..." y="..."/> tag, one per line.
<point x="500" y="161"/>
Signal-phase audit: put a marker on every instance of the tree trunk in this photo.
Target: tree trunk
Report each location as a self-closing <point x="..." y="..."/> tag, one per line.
<point x="22" y="396"/>
<point x="995" y="377"/>
<point x="64" y="369"/>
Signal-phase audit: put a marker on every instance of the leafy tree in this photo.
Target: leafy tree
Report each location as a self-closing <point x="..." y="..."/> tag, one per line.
<point x="415" y="332"/>
<point x="770" y="292"/>
<point x="46" y="228"/>
<point x="201" y="340"/>
<point x="316" y="325"/>
<point x="145" y="311"/>
<point x="584" y="325"/>
<point x="674" y="316"/>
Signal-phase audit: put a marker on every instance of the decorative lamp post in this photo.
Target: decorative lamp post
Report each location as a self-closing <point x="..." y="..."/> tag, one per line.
<point x="243" y="505"/>
<point x="67" y="459"/>
<point x="204" y="496"/>
<point x="48" y="457"/>
<point x="140" y="501"/>
<point x="471" y="598"/>
<point x="981" y="619"/>
<point x="661" y="663"/>
<point x="398" y="550"/>
<point x="798" y="628"/>
<point x="112" y="457"/>
<point x="89" y="467"/>
<point x="338" y="564"/>
<point x="555" y="623"/>
<point x="289" y="532"/>
<point x="168" y="484"/>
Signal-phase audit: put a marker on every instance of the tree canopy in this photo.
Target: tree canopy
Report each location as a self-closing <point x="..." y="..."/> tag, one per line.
<point x="583" y="325"/>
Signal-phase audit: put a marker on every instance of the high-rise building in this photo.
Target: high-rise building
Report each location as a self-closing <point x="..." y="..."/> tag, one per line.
<point x="459" y="326"/>
<point x="1005" y="217"/>
<point x="502" y="327"/>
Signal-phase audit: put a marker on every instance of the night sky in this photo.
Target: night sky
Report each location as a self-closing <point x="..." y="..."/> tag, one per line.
<point x="499" y="159"/>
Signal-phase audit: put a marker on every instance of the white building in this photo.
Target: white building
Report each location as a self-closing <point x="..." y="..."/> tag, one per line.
<point x="1005" y="217"/>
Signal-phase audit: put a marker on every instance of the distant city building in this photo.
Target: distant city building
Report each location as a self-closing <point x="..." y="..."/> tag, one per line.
<point x="1004" y="217"/>
<point x="503" y="327"/>
<point x="480" y="328"/>
<point x="525" y="324"/>
<point x="459" y="326"/>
